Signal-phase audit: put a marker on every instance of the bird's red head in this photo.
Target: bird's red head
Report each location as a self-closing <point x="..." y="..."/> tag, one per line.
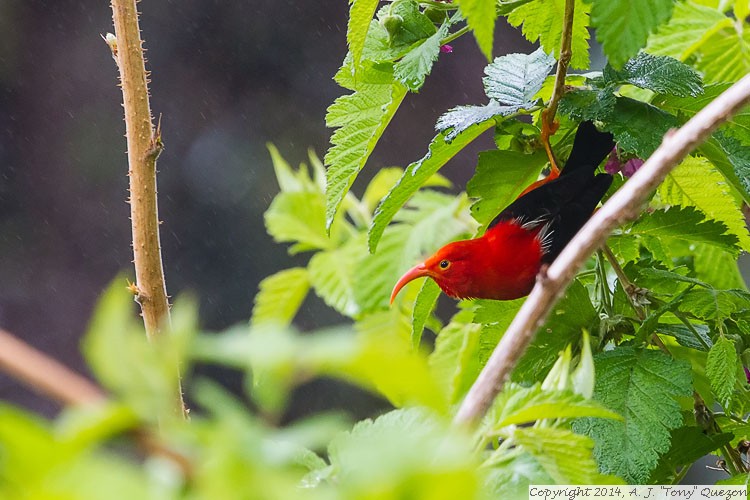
<point x="450" y="267"/>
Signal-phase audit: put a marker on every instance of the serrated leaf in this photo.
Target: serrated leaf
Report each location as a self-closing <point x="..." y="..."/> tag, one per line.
<point x="725" y="55"/>
<point x="583" y="104"/>
<point x="638" y="127"/>
<point x="360" y="16"/>
<point x="696" y="183"/>
<point x="280" y="296"/>
<point x="416" y="174"/>
<point x="642" y="386"/>
<point x="717" y="305"/>
<point x="564" y="455"/>
<point x="456" y="120"/>
<point x="738" y="125"/>
<point x="480" y="16"/>
<point x="721" y="368"/>
<point x="521" y="405"/>
<point x="454" y="362"/>
<point x="691" y="24"/>
<point x="361" y="118"/>
<point x="718" y="267"/>
<point x="298" y="217"/>
<point x="423" y="307"/>
<point x="623" y="26"/>
<point x="331" y="274"/>
<point x="732" y="158"/>
<point x="499" y="178"/>
<point x="515" y="79"/>
<point x="543" y="20"/>
<point x="687" y="337"/>
<point x="684" y="226"/>
<point x="661" y="74"/>
<point x="414" y="67"/>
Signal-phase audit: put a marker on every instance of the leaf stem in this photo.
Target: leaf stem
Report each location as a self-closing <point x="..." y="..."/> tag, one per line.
<point x="144" y="147"/>
<point x="625" y="205"/>
<point x="563" y="62"/>
<point x="453" y="36"/>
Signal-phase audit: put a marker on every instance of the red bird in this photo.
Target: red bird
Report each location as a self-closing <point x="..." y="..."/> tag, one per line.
<point x="502" y="264"/>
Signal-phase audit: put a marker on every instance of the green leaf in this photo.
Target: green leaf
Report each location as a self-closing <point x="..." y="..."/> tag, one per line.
<point x="662" y="74"/>
<point x="515" y="79"/>
<point x="499" y="178"/>
<point x="456" y="120"/>
<point x="404" y="454"/>
<point x="361" y="13"/>
<point x="480" y="16"/>
<point x="623" y="26"/>
<point x="688" y="29"/>
<point x="142" y="372"/>
<point x="696" y="183"/>
<point x="416" y="174"/>
<point x="280" y="296"/>
<point x="738" y="125"/>
<point x="721" y="368"/>
<point x="642" y="386"/>
<point x="423" y="307"/>
<point x="520" y="405"/>
<point x="695" y="338"/>
<point x="360" y="119"/>
<point x="411" y="26"/>
<point x="725" y="55"/>
<point x="732" y="158"/>
<point x="543" y="20"/>
<point x="454" y="363"/>
<point x="682" y="227"/>
<point x="718" y="305"/>
<point x="582" y="104"/>
<point x="417" y="63"/>
<point x="638" y="127"/>
<point x="565" y="456"/>
<point x="331" y="274"/>
<point x="298" y="217"/>
<point x="718" y="267"/>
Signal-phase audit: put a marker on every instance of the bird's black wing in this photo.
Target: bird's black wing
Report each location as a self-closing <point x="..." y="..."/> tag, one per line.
<point x="566" y="203"/>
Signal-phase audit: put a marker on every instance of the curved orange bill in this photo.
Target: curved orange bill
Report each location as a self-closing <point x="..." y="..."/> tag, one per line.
<point x="415" y="272"/>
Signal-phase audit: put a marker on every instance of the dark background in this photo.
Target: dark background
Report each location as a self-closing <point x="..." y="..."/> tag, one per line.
<point x="227" y="77"/>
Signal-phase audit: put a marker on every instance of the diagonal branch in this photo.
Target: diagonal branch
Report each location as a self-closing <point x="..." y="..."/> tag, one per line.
<point x="623" y="206"/>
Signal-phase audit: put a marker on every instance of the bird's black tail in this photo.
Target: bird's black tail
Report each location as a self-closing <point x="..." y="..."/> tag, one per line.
<point x="566" y="203"/>
<point x="590" y="147"/>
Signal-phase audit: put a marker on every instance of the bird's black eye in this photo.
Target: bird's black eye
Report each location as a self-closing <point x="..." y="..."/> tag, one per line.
<point x="444" y="264"/>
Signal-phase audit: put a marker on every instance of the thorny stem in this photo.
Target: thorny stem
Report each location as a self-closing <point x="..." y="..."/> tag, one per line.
<point x="623" y="206"/>
<point x="144" y="146"/>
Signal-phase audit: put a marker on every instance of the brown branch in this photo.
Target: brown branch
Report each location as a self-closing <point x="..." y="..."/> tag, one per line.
<point x="144" y="146"/>
<point x="623" y="206"/>
<point x="45" y="374"/>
